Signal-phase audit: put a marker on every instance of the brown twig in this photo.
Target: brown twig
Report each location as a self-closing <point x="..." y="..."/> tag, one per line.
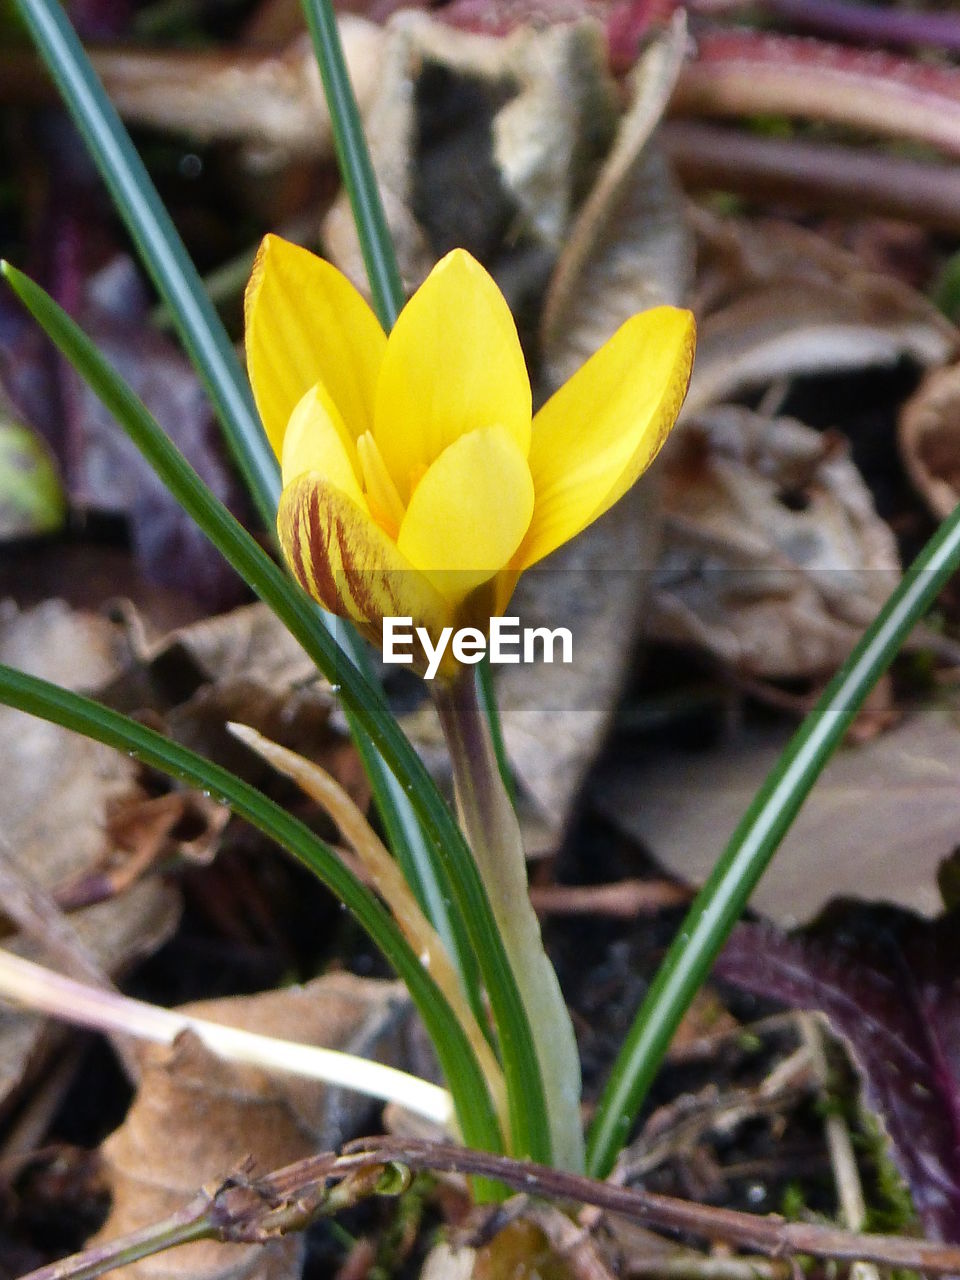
<point x="247" y="1211"/>
<point x="188" y="1224"/>
<point x="623" y="899"/>
<point x="814" y="175"/>
<point x="771" y="1235"/>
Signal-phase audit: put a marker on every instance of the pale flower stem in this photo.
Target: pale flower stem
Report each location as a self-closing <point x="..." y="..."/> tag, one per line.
<point x="490" y="824"/>
<point x="41" y="990"/>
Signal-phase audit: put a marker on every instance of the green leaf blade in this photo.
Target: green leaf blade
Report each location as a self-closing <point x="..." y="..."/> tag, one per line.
<point x="722" y="899"/>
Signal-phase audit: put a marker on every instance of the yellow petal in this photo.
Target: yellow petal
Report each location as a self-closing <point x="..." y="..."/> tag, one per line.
<point x="604" y="427"/>
<point x="342" y="558"/>
<point x="453" y="363"/>
<point x="381" y="493"/>
<point x="317" y="440"/>
<point x="468" y="514"/>
<point x="306" y="323"/>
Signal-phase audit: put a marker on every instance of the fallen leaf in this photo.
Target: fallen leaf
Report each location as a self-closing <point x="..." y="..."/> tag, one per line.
<point x="147" y="833"/>
<point x="114" y="476"/>
<point x="196" y="1120"/>
<point x="103" y="470"/>
<point x="248" y="642"/>
<point x="556" y="715"/>
<point x="930" y="439"/>
<point x="775" y="300"/>
<point x="270" y="102"/>
<point x="886" y="981"/>
<point x="774" y="558"/>
<point x="243" y="666"/>
<point x="629" y="247"/>
<point x="55" y="804"/>
<point x="484" y="143"/>
<point x="877" y="825"/>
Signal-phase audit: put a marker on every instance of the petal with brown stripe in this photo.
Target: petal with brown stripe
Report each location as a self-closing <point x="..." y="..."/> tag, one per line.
<point x="342" y="558"/>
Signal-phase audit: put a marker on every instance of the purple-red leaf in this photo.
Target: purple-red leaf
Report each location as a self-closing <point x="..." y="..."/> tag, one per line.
<point x="889" y="983"/>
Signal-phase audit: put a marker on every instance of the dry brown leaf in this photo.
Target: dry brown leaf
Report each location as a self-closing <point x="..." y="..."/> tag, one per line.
<point x="271" y="103"/>
<point x="481" y="141"/>
<point x="876" y="826"/>
<point x="629" y="247"/>
<point x="58" y="791"/>
<point x="195" y="1120"/>
<point x="930" y="439"/>
<point x="247" y="642"/>
<point x="774" y="557"/>
<point x="243" y="666"/>
<point x="57" y="785"/>
<point x="774" y="300"/>
<point x="146" y="833"/>
<point x="555" y="715"/>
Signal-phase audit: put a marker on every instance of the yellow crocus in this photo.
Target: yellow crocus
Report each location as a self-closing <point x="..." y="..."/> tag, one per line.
<point x="416" y="480"/>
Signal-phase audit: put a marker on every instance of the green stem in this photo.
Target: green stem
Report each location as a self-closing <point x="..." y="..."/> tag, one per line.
<point x="475" y="1112"/>
<point x="186" y="1226"/>
<point x="490" y="821"/>
<point x="422" y="871"/>
<point x="488" y="701"/>
<point x="723" y="898"/>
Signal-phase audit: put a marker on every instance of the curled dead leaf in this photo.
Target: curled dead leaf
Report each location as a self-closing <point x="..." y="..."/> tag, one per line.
<point x="196" y="1120"/>
<point x="775" y="300"/>
<point x="243" y="666"/>
<point x="270" y="102"/>
<point x="629" y="247"/>
<point x="481" y="142"/>
<point x="58" y="793"/>
<point x="555" y="715"/>
<point x="774" y="557"/>
<point x="930" y="439"/>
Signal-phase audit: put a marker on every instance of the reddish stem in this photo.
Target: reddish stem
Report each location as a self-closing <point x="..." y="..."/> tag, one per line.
<point x="742" y="73"/>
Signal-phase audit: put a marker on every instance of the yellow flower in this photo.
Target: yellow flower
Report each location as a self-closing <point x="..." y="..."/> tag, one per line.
<point x="416" y="482"/>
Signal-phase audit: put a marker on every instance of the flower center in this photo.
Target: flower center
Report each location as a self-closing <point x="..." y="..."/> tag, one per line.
<point x="381" y="493"/>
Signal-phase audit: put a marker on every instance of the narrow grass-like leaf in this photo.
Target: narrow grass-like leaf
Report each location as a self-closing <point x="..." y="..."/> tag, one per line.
<point x="189" y="308"/>
<point x="356" y="168"/>
<point x="37" y="697"/>
<point x="529" y="1129"/>
<point x="161" y="249"/>
<point x="722" y="899"/>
